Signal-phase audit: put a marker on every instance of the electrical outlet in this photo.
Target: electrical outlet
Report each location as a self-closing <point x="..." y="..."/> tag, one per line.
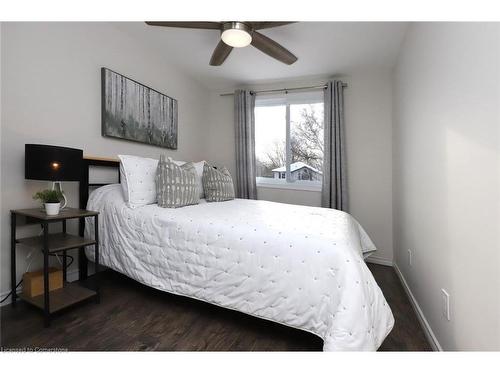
<point x="446" y="304"/>
<point x="410" y="256"/>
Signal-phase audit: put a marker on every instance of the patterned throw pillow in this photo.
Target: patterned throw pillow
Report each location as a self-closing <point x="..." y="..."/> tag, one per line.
<point x="176" y="186"/>
<point x="217" y="184"/>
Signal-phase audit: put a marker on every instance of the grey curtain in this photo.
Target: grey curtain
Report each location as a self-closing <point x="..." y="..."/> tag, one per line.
<point x="334" y="193"/>
<point x="244" y="105"/>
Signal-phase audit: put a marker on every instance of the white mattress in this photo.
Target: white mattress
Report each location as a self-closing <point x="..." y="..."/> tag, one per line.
<point x="296" y="265"/>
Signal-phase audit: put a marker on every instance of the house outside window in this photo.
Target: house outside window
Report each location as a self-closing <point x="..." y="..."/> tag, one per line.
<point x="289" y="140"/>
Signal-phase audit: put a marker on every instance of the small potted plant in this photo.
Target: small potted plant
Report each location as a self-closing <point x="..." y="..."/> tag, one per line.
<point x="51" y="200"/>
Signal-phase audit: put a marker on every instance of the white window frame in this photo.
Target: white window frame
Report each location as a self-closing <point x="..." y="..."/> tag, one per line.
<point x="287" y="99"/>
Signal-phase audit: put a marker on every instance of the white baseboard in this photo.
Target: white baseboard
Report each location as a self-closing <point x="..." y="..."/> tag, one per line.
<point x="72" y="275"/>
<point x="420" y="315"/>
<point x="379" y="260"/>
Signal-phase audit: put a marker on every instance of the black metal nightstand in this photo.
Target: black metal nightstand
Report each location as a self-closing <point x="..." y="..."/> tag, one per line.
<point x="53" y="301"/>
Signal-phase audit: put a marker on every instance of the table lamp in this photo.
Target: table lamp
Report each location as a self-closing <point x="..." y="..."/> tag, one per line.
<point x="53" y="163"/>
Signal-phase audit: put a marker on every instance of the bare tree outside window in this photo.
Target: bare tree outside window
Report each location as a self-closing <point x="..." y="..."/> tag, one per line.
<point x="306" y="133"/>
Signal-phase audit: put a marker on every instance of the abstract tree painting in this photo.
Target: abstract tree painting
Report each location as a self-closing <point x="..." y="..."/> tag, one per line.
<point x="136" y="112"/>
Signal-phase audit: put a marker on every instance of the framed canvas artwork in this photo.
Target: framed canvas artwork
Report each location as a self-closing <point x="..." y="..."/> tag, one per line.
<point x="135" y="112"/>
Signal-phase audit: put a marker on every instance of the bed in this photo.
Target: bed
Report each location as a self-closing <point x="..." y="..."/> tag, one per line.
<point x="295" y="265"/>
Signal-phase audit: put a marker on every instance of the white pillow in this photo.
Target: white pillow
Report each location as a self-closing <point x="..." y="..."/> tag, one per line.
<point x="137" y="178"/>
<point x="199" y="171"/>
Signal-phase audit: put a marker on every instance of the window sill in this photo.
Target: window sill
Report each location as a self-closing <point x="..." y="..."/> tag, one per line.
<point x="288" y="186"/>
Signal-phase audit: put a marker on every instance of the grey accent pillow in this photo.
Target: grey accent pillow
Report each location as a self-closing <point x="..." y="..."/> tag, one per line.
<point x="176" y="186"/>
<point x="217" y="184"/>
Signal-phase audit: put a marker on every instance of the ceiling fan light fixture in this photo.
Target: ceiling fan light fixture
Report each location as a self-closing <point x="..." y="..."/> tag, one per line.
<point x="236" y="34"/>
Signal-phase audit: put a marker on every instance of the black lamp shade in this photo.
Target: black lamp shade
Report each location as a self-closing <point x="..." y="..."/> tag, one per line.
<point x="52" y="163"/>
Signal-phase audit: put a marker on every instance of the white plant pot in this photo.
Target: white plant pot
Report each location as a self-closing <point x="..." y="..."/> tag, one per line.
<point x="52" y="208"/>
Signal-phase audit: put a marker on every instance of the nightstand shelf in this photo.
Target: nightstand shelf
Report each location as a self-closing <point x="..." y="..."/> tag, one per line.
<point x="49" y="243"/>
<point x="61" y="298"/>
<point x="57" y="242"/>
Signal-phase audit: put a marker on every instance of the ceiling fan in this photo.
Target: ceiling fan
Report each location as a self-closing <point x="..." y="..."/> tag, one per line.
<point x="238" y="34"/>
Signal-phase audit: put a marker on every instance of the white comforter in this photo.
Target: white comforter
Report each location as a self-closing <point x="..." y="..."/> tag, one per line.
<point x="295" y="265"/>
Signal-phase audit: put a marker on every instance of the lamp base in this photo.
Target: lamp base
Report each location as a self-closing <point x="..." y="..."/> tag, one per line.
<point x="57" y="186"/>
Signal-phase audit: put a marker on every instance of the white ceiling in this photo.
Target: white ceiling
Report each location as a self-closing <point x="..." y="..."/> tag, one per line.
<point x="322" y="48"/>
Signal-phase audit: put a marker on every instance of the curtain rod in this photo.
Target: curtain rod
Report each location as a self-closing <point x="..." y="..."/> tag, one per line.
<point x="284" y="89"/>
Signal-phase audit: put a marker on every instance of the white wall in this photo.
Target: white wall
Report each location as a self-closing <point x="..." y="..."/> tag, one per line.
<point x="446" y="177"/>
<point x="1" y="188"/>
<point x="369" y="151"/>
<point x="368" y="106"/>
<point x="51" y="94"/>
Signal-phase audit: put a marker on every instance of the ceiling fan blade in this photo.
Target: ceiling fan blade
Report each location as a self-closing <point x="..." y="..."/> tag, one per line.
<point x="273" y="49"/>
<point x="189" y="25"/>
<point x="267" y="25"/>
<point x="220" y="54"/>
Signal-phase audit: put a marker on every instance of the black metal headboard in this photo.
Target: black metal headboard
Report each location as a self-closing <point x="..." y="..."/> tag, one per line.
<point x="85" y="185"/>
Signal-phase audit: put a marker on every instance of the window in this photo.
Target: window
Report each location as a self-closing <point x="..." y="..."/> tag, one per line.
<point x="289" y="140"/>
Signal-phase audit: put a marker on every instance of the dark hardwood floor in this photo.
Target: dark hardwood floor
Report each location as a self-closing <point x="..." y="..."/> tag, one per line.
<point x="132" y="316"/>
